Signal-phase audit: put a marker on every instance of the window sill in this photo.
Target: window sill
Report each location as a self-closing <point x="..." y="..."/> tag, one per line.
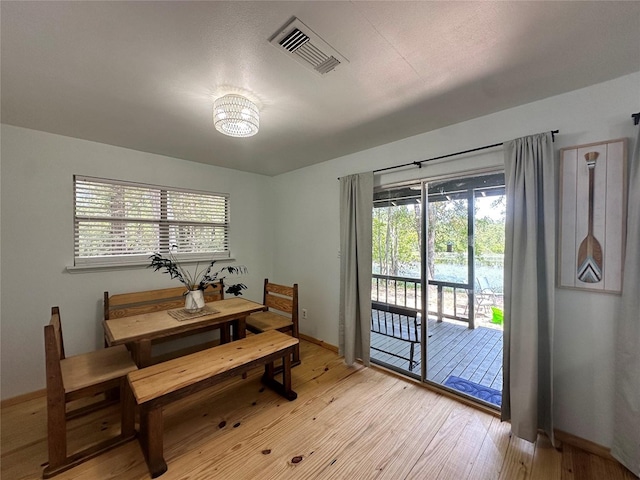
<point x="131" y="265"/>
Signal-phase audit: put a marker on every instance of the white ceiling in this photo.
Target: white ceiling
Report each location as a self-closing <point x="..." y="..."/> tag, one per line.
<point x="143" y="75"/>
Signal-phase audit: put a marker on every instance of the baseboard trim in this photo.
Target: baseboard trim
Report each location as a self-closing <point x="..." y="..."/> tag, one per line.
<point x="25" y="397"/>
<point x="321" y="343"/>
<point x="583" y="444"/>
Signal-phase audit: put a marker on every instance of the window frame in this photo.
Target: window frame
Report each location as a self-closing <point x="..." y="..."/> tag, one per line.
<point x="163" y="223"/>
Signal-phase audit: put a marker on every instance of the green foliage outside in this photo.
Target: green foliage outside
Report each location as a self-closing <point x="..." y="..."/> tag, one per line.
<point x="497" y="316"/>
<point x="396" y="232"/>
<point x="396" y="235"/>
<point x="448" y="220"/>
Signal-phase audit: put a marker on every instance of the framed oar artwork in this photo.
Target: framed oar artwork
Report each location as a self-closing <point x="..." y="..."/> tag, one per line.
<point x="592" y="216"/>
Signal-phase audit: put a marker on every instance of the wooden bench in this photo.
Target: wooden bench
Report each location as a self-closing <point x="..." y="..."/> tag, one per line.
<point x="158" y="385"/>
<point x="396" y="322"/>
<point x="135" y="303"/>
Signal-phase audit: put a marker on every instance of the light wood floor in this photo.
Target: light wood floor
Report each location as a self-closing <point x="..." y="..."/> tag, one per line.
<point x="347" y="423"/>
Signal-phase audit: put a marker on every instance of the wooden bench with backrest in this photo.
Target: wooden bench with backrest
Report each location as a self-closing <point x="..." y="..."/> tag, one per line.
<point x="136" y="303"/>
<point x="281" y="312"/>
<point x="158" y="385"/>
<point x="77" y="377"/>
<point x="396" y="322"/>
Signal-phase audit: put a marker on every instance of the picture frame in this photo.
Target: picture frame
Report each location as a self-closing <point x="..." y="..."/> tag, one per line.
<point x="592" y="223"/>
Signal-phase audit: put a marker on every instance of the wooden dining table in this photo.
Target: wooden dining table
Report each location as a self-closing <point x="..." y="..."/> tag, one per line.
<point x="138" y="332"/>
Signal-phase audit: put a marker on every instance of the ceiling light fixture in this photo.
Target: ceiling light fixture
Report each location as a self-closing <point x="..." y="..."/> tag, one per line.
<point x="236" y="116"/>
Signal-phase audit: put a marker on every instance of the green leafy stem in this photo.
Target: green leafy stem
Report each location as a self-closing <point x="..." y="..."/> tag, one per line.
<point x="200" y="279"/>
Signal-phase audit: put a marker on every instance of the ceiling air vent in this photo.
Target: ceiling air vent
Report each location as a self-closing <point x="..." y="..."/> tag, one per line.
<point x="300" y="43"/>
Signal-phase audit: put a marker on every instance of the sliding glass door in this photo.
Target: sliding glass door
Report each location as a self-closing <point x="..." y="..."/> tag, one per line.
<point x="396" y="292"/>
<point x="444" y="238"/>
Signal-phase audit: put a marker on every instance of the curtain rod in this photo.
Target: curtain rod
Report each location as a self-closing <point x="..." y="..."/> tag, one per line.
<point x="420" y="162"/>
<point x="636" y="118"/>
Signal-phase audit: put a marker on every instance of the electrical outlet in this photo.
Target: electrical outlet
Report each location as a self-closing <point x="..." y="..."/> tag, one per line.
<point x="304" y="313"/>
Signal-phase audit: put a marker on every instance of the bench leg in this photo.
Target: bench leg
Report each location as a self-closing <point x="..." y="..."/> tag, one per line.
<point x="128" y="412"/>
<point x="283" y="388"/>
<point x="151" y="432"/>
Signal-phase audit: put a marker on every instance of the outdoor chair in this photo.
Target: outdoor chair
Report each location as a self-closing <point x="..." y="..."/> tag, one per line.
<point x="485" y="296"/>
<point x="83" y="376"/>
<point x="281" y="313"/>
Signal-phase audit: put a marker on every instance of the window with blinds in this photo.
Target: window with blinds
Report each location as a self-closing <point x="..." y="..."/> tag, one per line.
<point x="120" y="222"/>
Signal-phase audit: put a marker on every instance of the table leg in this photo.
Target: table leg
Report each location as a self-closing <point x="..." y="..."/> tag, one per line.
<point x="225" y="333"/>
<point x="141" y="352"/>
<point x="241" y="328"/>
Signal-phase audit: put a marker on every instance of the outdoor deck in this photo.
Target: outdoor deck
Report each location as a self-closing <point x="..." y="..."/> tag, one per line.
<point x="453" y="349"/>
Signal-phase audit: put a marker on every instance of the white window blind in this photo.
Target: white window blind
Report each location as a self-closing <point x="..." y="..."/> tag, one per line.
<point x="120" y="222"/>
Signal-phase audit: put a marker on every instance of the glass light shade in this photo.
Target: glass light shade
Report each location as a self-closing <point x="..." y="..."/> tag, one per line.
<point x="236" y="116"/>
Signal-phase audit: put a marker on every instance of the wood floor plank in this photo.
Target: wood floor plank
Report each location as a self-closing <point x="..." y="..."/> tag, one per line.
<point x="567" y="463"/>
<point x="581" y="464"/>
<point x="442" y="446"/>
<point x="461" y="357"/>
<point x="547" y="461"/>
<point x="467" y="448"/>
<point x="345" y="447"/>
<point x="490" y="459"/>
<point x="485" y="358"/>
<point x="374" y="450"/>
<point x="398" y="461"/>
<point x="518" y="460"/>
<point x="608" y="469"/>
<point x="455" y="358"/>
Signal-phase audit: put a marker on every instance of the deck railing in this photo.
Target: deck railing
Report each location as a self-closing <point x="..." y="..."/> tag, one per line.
<point x="446" y="299"/>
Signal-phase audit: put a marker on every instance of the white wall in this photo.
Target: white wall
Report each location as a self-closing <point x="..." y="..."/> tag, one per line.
<point x="37" y="240"/>
<point x="308" y="233"/>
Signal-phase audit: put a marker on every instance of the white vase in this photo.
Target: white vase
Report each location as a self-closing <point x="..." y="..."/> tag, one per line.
<point x="194" y="301"/>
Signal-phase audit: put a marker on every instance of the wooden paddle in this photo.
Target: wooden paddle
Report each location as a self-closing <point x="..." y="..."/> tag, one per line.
<point x="590" y="251"/>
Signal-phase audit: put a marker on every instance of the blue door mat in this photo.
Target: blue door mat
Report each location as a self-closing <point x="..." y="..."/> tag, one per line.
<point x="480" y="392"/>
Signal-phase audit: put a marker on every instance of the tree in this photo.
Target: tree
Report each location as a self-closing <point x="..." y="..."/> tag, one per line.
<point x="489" y="230"/>
<point x="396" y="233"/>
<point x="395" y="237"/>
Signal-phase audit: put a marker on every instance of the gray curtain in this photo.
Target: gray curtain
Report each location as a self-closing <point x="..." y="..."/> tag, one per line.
<point x="626" y="434"/>
<point x="529" y="283"/>
<point x="356" y="204"/>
